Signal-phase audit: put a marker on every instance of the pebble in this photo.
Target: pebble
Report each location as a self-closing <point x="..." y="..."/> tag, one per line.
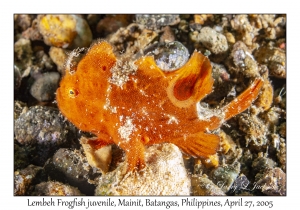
<point x="202" y="18"/>
<point x="24" y="178"/>
<point x="43" y="129"/>
<point x="93" y="19"/>
<point x="223" y="88"/>
<point x="254" y="128"/>
<point x="240" y="184"/>
<point x="131" y="42"/>
<point x="246" y="161"/>
<point x="65" y="31"/>
<point x="281" y="153"/>
<point x="164" y="174"/>
<point x="157" y="21"/>
<point x="270" y="26"/>
<point x="111" y="23"/>
<point x="59" y="56"/>
<point x="100" y="158"/>
<point x="272" y="117"/>
<point x="273" y="182"/>
<point x="261" y="163"/>
<point x="230" y="38"/>
<point x="274" y="58"/>
<point x="21" y="156"/>
<point x="246" y="32"/>
<point x="23" y="54"/>
<point x="168" y="35"/>
<point x="282" y="129"/>
<point x="43" y="89"/>
<point x="43" y="61"/>
<point x="265" y="98"/>
<point x="23" y="21"/>
<point x="33" y="32"/>
<point x="71" y="166"/>
<point x="224" y="176"/>
<point x="212" y="40"/>
<point x="243" y="61"/>
<point x="53" y="188"/>
<point x="203" y="186"/>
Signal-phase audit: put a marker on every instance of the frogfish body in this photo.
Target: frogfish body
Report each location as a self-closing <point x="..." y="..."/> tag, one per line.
<point x="143" y="105"/>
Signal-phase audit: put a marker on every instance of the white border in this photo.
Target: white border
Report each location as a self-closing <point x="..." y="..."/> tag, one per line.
<point x="8" y="8"/>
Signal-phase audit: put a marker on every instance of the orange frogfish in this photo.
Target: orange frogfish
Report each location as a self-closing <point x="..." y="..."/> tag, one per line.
<point x="138" y="104"/>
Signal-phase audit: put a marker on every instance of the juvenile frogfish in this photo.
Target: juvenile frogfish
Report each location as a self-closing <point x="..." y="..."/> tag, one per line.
<point x="145" y="106"/>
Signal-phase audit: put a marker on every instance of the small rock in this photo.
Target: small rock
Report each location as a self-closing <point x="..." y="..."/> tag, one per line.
<point x="240" y="184"/>
<point x="261" y="163"/>
<point x="265" y="98"/>
<point x="281" y="154"/>
<point x="23" y="21"/>
<point x="59" y="57"/>
<point x="55" y="189"/>
<point x="211" y="162"/>
<point x="201" y="18"/>
<point x="246" y="161"/>
<point x="224" y="176"/>
<point x="239" y="53"/>
<point x="33" y="33"/>
<point x="230" y="38"/>
<point x="65" y="31"/>
<point x="254" y="128"/>
<point x="245" y="31"/>
<point x="144" y="39"/>
<point x="44" y="87"/>
<point x="168" y="35"/>
<point x="21" y="156"/>
<point x="71" y="166"/>
<point x="274" y="58"/>
<point x="164" y="174"/>
<point x="43" y="61"/>
<point x="272" y="116"/>
<point x="223" y="88"/>
<point x="212" y="40"/>
<point x="226" y="143"/>
<point x="111" y="23"/>
<point x="93" y="19"/>
<point x="282" y="129"/>
<point x="24" y="178"/>
<point x="100" y="158"/>
<point x="202" y="186"/>
<point x="244" y="61"/>
<point x="157" y="21"/>
<point x="270" y="26"/>
<point x="184" y="26"/>
<point x="273" y="182"/>
<point x="44" y="130"/>
<point x="23" y="54"/>
<point x="19" y="108"/>
<point x="131" y="42"/>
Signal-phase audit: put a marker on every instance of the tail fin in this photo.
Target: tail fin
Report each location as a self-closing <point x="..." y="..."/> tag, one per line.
<point x="243" y="101"/>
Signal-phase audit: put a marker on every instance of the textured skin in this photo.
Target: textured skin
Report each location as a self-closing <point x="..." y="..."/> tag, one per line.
<point x="151" y="107"/>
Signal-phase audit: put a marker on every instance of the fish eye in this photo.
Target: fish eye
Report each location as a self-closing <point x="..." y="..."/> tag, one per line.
<point x="72" y="93"/>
